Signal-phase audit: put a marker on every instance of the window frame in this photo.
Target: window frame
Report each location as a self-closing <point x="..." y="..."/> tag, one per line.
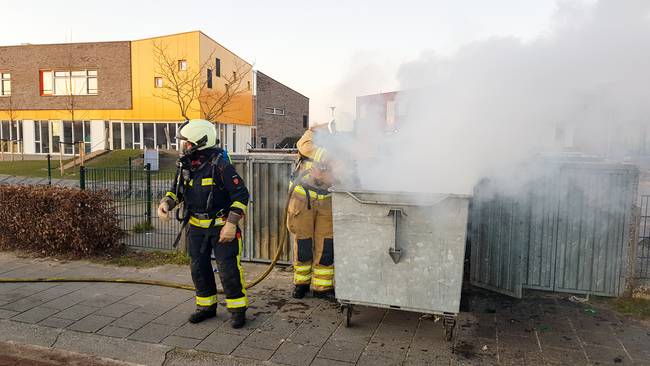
<point x="209" y="78"/>
<point x="275" y="111"/>
<point x="4" y="78"/>
<point x="155" y="82"/>
<point x="217" y="67"/>
<point x="182" y="65"/>
<point x="88" y="76"/>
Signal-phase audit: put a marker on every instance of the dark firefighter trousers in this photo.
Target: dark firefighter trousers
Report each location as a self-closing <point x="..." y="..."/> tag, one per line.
<point x="228" y="258"/>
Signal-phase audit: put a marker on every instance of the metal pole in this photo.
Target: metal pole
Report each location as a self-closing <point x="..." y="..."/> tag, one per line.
<point x="49" y="169"/>
<point x="82" y="177"/>
<point x="61" y="157"/>
<point x="130" y="187"/>
<point x="149" y="195"/>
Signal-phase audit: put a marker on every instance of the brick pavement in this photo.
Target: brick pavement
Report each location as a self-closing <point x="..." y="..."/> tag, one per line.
<point x="147" y="325"/>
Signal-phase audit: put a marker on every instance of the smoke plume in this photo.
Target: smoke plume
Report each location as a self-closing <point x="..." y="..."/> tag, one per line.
<point x="582" y="86"/>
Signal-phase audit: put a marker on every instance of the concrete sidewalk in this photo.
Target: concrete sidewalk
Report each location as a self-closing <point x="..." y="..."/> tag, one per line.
<point x="147" y="325"/>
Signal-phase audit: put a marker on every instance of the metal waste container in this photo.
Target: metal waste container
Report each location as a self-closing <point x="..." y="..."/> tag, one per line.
<point x="400" y="251"/>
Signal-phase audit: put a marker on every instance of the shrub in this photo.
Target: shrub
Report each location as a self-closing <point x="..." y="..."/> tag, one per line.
<point x="55" y="220"/>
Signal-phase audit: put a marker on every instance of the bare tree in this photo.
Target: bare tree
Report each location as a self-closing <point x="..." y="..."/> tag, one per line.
<point x="188" y="87"/>
<point x="217" y="103"/>
<point x="72" y="107"/>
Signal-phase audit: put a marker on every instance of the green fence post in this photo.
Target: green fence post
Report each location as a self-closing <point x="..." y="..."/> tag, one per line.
<point x="147" y="168"/>
<point x="82" y="177"/>
<point x="49" y="170"/>
<point x="130" y="177"/>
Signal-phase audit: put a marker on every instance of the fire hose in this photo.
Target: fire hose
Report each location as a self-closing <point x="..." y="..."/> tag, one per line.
<point x="260" y="278"/>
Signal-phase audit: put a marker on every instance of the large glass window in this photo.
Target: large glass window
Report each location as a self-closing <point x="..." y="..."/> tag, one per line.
<point x="148" y="135"/>
<point x="57" y="136"/>
<point x="86" y="137"/>
<point x="128" y="136"/>
<point x="45" y="136"/>
<point x="5" y="83"/>
<point x="161" y="136"/>
<point x="117" y="135"/>
<point x="76" y="82"/>
<point x="67" y="137"/>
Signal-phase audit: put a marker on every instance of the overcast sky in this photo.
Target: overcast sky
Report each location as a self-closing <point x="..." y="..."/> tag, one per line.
<point x="312" y="46"/>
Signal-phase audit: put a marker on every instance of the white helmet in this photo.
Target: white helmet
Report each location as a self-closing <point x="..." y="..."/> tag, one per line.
<point x="200" y="133"/>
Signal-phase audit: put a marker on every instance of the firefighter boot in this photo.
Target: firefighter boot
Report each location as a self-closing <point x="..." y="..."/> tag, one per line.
<point x="203" y="313"/>
<point x="327" y="295"/>
<point x="300" y="291"/>
<point x="238" y="319"/>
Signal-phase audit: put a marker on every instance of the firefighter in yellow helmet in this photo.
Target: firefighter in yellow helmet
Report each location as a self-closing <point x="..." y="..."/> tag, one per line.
<point x="309" y="219"/>
<point x="215" y="200"/>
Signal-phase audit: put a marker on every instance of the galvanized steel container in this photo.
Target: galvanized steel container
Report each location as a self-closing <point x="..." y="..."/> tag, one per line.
<point x="400" y="250"/>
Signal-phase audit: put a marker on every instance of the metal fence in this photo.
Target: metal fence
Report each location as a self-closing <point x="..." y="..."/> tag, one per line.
<point x="567" y="231"/>
<point x="136" y="193"/>
<point x="643" y="248"/>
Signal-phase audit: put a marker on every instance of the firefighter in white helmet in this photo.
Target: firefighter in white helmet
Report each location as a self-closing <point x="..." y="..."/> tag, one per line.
<point x="215" y="200"/>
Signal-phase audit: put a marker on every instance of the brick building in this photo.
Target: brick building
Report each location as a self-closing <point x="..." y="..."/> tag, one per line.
<point x="281" y="113"/>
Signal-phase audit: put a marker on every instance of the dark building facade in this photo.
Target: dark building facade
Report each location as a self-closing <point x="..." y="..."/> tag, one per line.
<point x="281" y="113"/>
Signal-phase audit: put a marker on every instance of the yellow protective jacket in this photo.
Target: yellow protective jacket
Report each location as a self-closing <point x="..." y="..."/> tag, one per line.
<point x="314" y="170"/>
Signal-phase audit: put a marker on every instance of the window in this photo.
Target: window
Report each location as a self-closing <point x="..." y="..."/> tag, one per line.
<point x="263" y="142"/>
<point x="76" y="82"/>
<point x="249" y="85"/>
<point x="209" y="75"/>
<point x="234" y="75"/>
<point x="305" y="121"/>
<point x="5" y="84"/>
<point x="217" y="68"/>
<point x="182" y="65"/>
<point x="275" y="111"/>
<point x="158" y="82"/>
<point x="117" y="135"/>
<point x="148" y="135"/>
<point x="253" y="137"/>
<point x="234" y="138"/>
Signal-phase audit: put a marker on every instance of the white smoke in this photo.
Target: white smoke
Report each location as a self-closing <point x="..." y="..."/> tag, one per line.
<point x="495" y="103"/>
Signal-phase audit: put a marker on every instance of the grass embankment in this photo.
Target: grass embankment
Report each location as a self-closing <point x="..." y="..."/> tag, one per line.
<point x="38" y="168"/>
<point x="135" y="258"/>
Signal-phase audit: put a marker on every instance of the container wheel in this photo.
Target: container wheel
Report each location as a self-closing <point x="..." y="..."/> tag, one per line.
<point x="347" y="314"/>
<point x="449" y="326"/>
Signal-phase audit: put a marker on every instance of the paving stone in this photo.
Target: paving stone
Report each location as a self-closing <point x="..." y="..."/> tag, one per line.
<point x="181" y="342"/>
<point x="6" y="314"/>
<point x="295" y="354"/>
<point x="341" y="350"/>
<point x="200" y="330"/>
<point x="23" y="304"/>
<point x="172" y="317"/>
<point x="152" y="333"/>
<point x="219" y="342"/>
<point x="600" y="338"/>
<point x="35" y="315"/>
<point x="559" y="340"/>
<point x="264" y="340"/>
<point x="373" y="359"/>
<point x="76" y="312"/>
<point x="100" y="300"/>
<point x="314" y="332"/>
<point x="327" y="362"/>
<point x="116" y="310"/>
<point x="134" y="320"/>
<point x="121" y="349"/>
<point x="252" y="352"/>
<point x="53" y="322"/>
<point x="563" y="356"/>
<point x="141" y="299"/>
<point x="92" y="323"/>
<point x="280" y="326"/>
<point x="113" y="331"/>
<point x="157" y="308"/>
<point x="64" y="301"/>
<point x="27" y="333"/>
<point x="600" y="355"/>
